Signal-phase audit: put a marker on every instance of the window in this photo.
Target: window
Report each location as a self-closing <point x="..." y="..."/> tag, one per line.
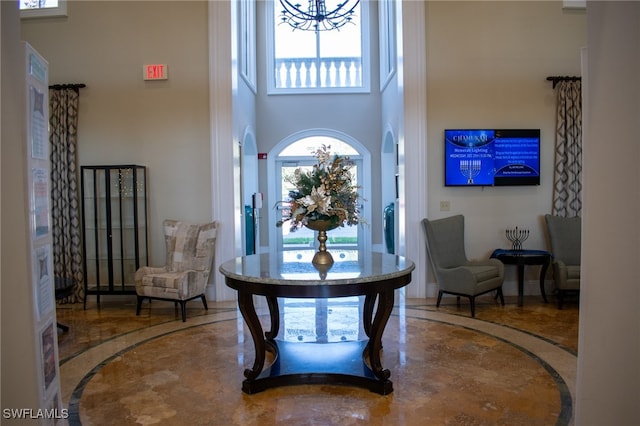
<point x="248" y="43"/>
<point x="335" y="61"/>
<point x="386" y="26"/>
<point x="42" y="8"/>
<point x="306" y="146"/>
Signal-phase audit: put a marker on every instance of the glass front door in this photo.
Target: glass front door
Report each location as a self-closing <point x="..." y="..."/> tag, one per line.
<point x="302" y="238"/>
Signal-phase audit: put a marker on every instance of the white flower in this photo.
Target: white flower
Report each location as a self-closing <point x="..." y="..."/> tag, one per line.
<point x="318" y="201"/>
<point x="325" y="192"/>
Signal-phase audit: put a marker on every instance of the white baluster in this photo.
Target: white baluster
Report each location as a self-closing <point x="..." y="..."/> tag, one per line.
<point x="298" y="74"/>
<point x="344" y="75"/>
<point x="332" y="74"/>
<point x="291" y="75"/>
<point x="355" y="73"/>
<point x="281" y="75"/>
<point x="324" y="74"/>
<point x="313" y="74"/>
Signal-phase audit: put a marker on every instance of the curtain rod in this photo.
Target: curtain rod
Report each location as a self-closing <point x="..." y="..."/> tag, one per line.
<point x="556" y="80"/>
<point x="74" y="86"/>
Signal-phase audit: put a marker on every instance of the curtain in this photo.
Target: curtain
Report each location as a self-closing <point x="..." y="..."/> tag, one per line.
<point x="567" y="182"/>
<point x="65" y="212"/>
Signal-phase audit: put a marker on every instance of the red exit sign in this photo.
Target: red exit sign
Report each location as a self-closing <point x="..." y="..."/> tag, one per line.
<point x="155" y="72"/>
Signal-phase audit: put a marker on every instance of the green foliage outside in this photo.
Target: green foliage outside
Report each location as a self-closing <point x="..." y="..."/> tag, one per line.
<point x="308" y="240"/>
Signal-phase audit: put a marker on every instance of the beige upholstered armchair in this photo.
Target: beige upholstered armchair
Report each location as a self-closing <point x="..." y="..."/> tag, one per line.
<point x="190" y="252"/>
<point x="565" y="240"/>
<point x="454" y="273"/>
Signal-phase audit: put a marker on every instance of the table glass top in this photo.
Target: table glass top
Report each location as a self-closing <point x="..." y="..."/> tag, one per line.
<point x="350" y="266"/>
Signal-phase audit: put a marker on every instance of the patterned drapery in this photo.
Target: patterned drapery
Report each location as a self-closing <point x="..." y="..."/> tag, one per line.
<point x="567" y="182"/>
<point x="65" y="211"/>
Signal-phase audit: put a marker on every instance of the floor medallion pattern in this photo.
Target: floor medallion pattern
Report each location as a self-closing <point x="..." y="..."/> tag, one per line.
<point x="510" y="365"/>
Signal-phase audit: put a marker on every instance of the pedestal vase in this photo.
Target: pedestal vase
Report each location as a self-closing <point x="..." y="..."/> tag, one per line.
<point x="322" y="256"/>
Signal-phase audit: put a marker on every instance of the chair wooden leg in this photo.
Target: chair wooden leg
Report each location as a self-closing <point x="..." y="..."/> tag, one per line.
<point x="183" y="308"/>
<point x="501" y="296"/>
<point x="439" y="299"/>
<point x="472" y="301"/>
<point x="204" y="302"/>
<point x="139" y="305"/>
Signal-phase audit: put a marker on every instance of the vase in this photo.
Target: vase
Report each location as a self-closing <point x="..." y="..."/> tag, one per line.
<point x="322" y="256"/>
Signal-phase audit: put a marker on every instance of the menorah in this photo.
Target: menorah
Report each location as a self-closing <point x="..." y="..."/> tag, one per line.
<point x="517" y="237"/>
<point x="470" y="169"/>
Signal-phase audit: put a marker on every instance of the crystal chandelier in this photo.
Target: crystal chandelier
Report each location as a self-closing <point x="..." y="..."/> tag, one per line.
<point x="316" y="17"/>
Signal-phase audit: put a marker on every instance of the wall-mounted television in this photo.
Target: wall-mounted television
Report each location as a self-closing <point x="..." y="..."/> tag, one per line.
<point x="492" y="157"/>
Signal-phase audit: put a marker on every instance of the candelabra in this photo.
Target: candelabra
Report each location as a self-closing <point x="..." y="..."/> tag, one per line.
<point x="517" y="237"/>
<point x="470" y="169"/>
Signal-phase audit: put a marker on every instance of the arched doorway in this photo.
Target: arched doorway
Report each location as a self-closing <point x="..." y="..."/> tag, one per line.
<point x="249" y="177"/>
<point x="389" y="190"/>
<point x="295" y="152"/>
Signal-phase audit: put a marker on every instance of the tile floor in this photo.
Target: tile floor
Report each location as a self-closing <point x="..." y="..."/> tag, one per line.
<point x="509" y="366"/>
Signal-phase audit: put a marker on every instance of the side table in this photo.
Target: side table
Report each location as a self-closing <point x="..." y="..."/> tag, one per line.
<point x="520" y="258"/>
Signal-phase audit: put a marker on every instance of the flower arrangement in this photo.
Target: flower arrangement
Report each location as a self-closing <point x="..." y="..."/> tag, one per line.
<point x="326" y="192"/>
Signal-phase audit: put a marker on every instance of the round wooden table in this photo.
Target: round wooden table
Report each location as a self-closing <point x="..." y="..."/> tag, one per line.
<point x="520" y="258"/>
<point x="287" y="274"/>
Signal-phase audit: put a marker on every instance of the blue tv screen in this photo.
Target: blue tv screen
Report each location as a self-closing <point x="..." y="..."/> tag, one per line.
<point x="492" y="157"/>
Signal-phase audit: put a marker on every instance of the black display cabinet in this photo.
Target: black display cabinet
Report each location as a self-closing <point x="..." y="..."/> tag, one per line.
<point x="114" y="223"/>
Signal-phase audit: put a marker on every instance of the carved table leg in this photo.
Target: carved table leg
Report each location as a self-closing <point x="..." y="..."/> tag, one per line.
<point x="274" y="314"/>
<point x="373" y="349"/>
<point x="248" y="310"/>
<point x="367" y="314"/>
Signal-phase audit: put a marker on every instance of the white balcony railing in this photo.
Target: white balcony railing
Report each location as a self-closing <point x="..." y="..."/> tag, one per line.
<point x="309" y="73"/>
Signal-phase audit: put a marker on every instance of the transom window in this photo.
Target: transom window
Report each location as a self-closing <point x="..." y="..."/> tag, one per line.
<point x="335" y="61"/>
<point x="306" y="146"/>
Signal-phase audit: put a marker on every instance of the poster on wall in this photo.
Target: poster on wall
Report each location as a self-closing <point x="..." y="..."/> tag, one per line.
<point x="45" y="297"/>
<point x="40" y="194"/>
<point x="38" y="124"/>
<point x="49" y="361"/>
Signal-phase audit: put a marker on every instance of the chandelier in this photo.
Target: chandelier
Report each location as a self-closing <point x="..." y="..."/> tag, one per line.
<point x="316" y="17"/>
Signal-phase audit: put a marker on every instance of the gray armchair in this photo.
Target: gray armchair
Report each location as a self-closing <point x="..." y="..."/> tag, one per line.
<point x="454" y="273"/>
<point x="190" y="252"/>
<point x="565" y="240"/>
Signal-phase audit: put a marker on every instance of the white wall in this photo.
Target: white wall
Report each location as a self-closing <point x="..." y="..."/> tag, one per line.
<point x="163" y="125"/>
<point x="487" y="64"/>
<point x="608" y="386"/>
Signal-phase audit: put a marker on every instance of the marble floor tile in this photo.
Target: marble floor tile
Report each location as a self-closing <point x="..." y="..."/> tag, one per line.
<point x="508" y="366"/>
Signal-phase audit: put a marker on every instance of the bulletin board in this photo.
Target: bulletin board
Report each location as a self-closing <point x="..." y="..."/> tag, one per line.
<point x="39" y="187"/>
